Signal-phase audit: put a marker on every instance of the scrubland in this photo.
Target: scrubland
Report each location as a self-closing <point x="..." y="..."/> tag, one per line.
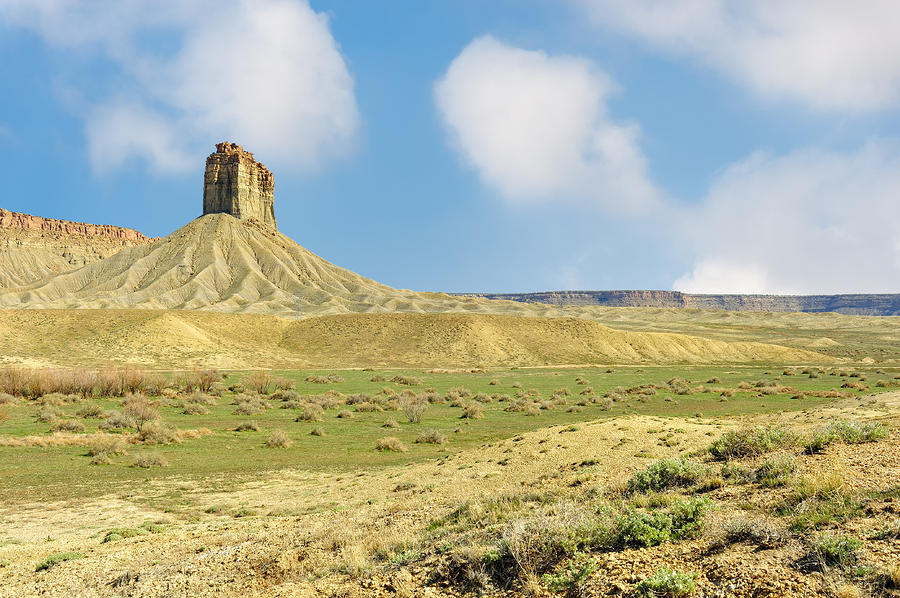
<point x="656" y="481"/>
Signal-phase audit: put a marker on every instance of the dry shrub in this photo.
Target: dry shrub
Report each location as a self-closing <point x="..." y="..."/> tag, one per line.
<point x="247" y="426"/>
<point x="390" y="423"/>
<point x="345" y="414"/>
<point x="103" y="448"/>
<point x="406" y="380"/>
<point x="311" y="413"/>
<point x="472" y="411"/>
<point x="278" y="439"/>
<point x="378" y="378"/>
<point x="154" y="432"/>
<point x="47" y="415"/>
<point x="3" y="415"/>
<point x="68" y="425"/>
<point x="148" y="460"/>
<point x="202" y="380"/>
<point x="431" y="437"/>
<point x="259" y="381"/>
<point x="250" y="406"/>
<point x="91" y="411"/>
<point x="139" y="408"/>
<point x="7" y="399"/>
<point x="195" y="409"/>
<point x="317" y="431"/>
<point x="368" y="407"/>
<point x="282" y="383"/>
<point x="413" y="407"/>
<point x="117" y="421"/>
<point x="390" y="443"/>
<point x="327" y="379"/>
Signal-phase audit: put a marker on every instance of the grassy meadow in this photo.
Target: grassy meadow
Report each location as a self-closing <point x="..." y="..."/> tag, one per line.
<point x="47" y="443"/>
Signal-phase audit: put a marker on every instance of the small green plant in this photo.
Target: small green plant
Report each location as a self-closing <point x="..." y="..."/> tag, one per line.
<point x="684" y="519"/>
<point x="775" y="471"/>
<point x="665" y="474"/>
<point x="572" y="577"/>
<point x="53" y="560"/>
<point x="831" y="550"/>
<point x="666" y="583"/>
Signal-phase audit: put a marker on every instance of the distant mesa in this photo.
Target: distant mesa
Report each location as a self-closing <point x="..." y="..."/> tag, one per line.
<point x="236" y="184"/>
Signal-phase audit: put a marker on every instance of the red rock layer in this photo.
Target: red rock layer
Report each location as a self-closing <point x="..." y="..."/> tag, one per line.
<point x="28" y="222"/>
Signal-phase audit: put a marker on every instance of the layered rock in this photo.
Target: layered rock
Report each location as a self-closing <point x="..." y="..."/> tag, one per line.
<point x="32" y="248"/>
<point x="235" y="183"/>
<point x="856" y="304"/>
<point x="128" y="236"/>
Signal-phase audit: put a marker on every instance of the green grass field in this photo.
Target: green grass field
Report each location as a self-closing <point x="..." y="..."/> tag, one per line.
<point x="225" y="457"/>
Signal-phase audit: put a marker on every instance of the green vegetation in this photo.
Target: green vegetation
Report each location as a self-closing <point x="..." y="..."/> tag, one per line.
<point x="752" y="442"/>
<point x="666" y="583"/>
<point x="53" y="560"/>
<point x="666" y="474"/>
<point x="847" y="432"/>
<point x="494" y="404"/>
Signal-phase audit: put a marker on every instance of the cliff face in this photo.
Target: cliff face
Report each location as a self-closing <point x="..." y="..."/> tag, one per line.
<point x="235" y="183"/>
<point x="857" y="304"/>
<point x="32" y="248"/>
<point x="17" y="220"/>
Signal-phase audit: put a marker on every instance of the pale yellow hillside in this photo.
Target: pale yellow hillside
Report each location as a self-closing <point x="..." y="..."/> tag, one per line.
<point x="181" y="338"/>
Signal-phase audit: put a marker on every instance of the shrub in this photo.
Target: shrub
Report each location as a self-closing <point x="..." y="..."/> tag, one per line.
<point x="7" y="399"/>
<point x="317" y="431"/>
<point x="378" y="378"/>
<point x="278" y="439"/>
<point x="91" y="411"/>
<point x="117" y="421"/>
<point x="390" y="423"/>
<point x="666" y="583"/>
<point x="431" y="437"/>
<point x="472" y="411"/>
<point x="47" y="415"/>
<point x="493" y="383"/>
<point x="52" y="561"/>
<point x="247" y="426"/>
<point x="344" y="414"/>
<point x="684" y="519"/>
<point x="830" y="550"/>
<point x="665" y="474"/>
<point x="414" y="408"/>
<point x="758" y="531"/>
<point x="368" y="407"/>
<point x="328" y="379"/>
<point x="390" y="443"/>
<point x="847" y="432"/>
<point x="3" y="415"/>
<point x="406" y="380"/>
<point x="282" y="383"/>
<point x="311" y="413"/>
<point x="259" y="381"/>
<point x="249" y="407"/>
<point x="67" y="425"/>
<point x="775" y="471"/>
<point x="103" y="447"/>
<point x="752" y="442"/>
<point x="148" y="460"/>
<point x="157" y="433"/>
<point x="195" y="409"/>
<point x="139" y="408"/>
<point x="817" y="502"/>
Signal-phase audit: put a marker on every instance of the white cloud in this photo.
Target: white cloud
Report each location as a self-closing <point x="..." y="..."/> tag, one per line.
<point x="267" y="74"/>
<point x="829" y="54"/>
<point x="535" y="127"/>
<point x="809" y="222"/>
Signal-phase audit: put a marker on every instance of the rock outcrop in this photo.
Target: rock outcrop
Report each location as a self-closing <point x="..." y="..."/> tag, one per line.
<point x="32" y="248"/>
<point x="128" y="236"/>
<point x="237" y="184"/>
<point x="857" y="304"/>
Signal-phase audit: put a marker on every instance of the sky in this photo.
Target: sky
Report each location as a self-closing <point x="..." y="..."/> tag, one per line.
<point x="482" y="146"/>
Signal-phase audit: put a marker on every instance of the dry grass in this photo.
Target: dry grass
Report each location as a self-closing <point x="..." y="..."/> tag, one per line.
<point x="148" y="460"/>
<point x="390" y="443"/>
<point x="278" y="439"/>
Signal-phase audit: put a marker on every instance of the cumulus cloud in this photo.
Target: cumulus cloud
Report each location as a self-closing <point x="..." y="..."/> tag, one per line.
<point x="536" y="127"/>
<point x="830" y="54"/>
<point x="809" y="222"/>
<point x="265" y="73"/>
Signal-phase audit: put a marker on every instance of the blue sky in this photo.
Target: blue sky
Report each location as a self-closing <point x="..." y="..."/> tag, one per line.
<point x="463" y="145"/>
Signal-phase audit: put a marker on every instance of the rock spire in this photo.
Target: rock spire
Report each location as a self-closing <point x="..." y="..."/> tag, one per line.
<point x="237" y="184"/>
